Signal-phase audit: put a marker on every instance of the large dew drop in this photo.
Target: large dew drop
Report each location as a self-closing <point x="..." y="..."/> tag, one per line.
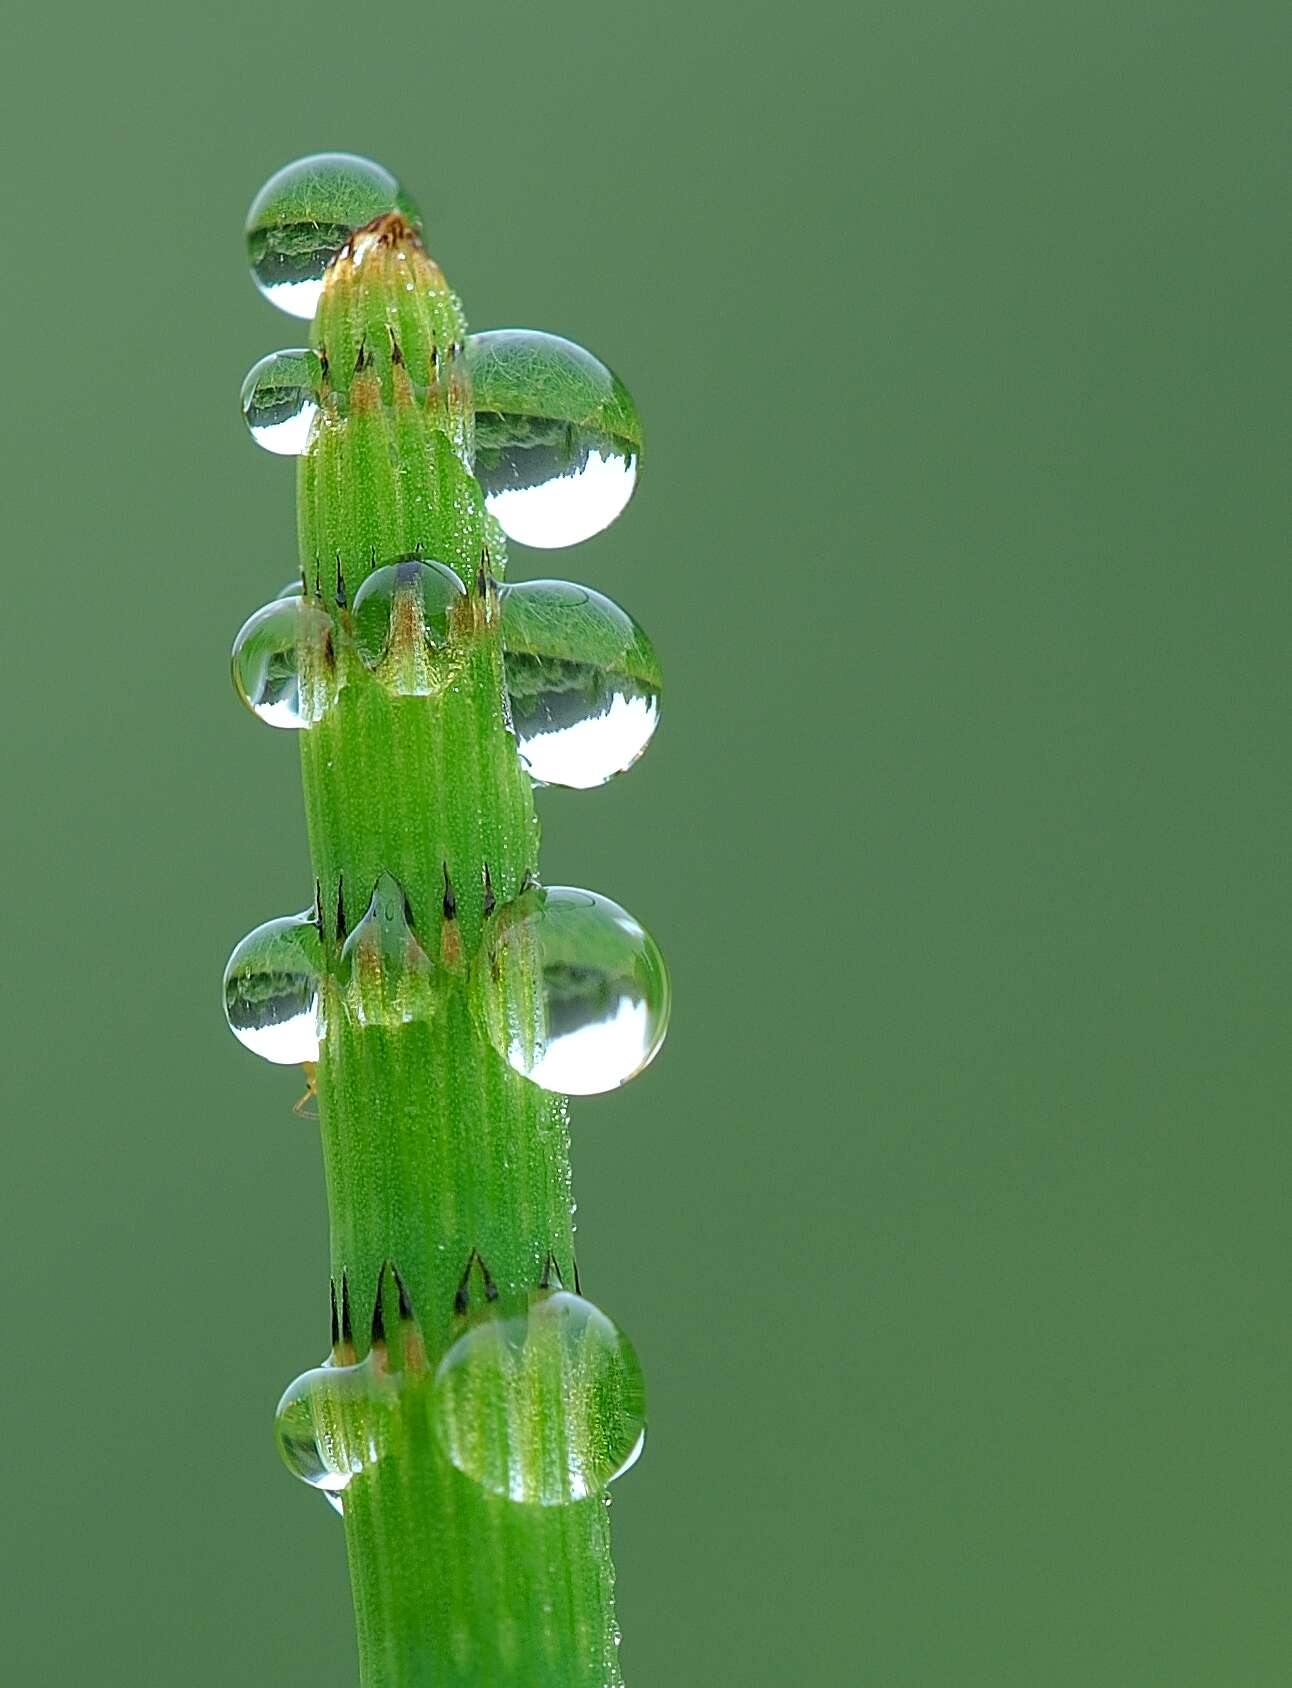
<point x="284" y="664"/>
<point x="402" y="625"/>
<point x="571" y="991"/>
<point x="545" y="1406"/>
<point x="280" y="400"/>
<point x="271" y="990"/>
<point x="306" y="213"/>
<point x="333" y="1423"/>
<point x="557" y="436"/>
<point x="387" y="977"/>
<point x="583" y="681"/>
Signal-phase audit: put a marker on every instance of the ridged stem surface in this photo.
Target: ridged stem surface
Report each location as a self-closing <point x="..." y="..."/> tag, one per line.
<point x="434" y="1148"/>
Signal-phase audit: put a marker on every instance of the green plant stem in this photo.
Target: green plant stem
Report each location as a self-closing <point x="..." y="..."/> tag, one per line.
<point x="433" y="1147"/>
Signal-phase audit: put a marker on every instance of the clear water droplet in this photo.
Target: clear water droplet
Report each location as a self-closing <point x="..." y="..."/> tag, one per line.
<point x="306" y="213"/>
<point x="280" y="400"/>
<point x="557" y="436"/>
<point x="402" y="625"/>
<point x="271" y="990"/>
<point x="284" y="665"/>
<point x="583" y="681"/>
<point x="571" y="991"/>
<point x="544" y="1406"/>
<point x="388" y="978"/>
<point x="333" y="1423"/>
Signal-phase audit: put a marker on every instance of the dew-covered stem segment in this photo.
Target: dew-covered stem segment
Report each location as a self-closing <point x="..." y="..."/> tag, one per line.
<point x="435" y="1150"/>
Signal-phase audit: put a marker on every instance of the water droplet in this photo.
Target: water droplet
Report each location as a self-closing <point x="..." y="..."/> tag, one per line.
<point x="280" y="400"/>
<point x="284" y="667"/>
<point x="333" y="1423"/>
<point x="306" y="213"/>
<point x="271" y="990"/>
<point x="572" y="992"/>
<point x="402" y="626"/>
<point x="557" y="436"/>
<point x="583" y="681"/>
<point x="388" y="978"/>
<point x="544" y="1406"/>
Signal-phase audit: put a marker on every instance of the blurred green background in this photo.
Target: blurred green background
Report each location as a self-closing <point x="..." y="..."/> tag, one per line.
<point x="952" y="1224"/>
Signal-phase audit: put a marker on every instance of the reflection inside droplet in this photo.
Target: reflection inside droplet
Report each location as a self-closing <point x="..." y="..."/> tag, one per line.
<point x="284" y="664"/>
<point x="403" y="624"/>
<point x="557" y="436"/>
<point x="579" y="499"/>
<point x="306" y="213"/>
<point x="582" y="681"/>
<point x="280" y="400"/>
<point x="271" y="990"/>
<point x="587" y="1059"/>
<point x="572" y="992"/>
<point x="335" y="1422"/>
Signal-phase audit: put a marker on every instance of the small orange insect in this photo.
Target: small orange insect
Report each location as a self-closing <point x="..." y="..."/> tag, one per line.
<point x="301" y="1108"/>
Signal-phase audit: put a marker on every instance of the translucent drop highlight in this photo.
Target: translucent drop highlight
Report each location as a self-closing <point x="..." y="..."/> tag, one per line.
<point x="271" y="990"/>
<point x="571" y="991"/>
<point x="582" y="679"/>
<point x="558" y="437"/>
<point x="403" y="626"/>
<point x="333" y="1423"/>
<point x="284" y="663"/>
<point x="387" y="977"/>
<point x="306" y="213"/>
<point x="544" y="1406"/>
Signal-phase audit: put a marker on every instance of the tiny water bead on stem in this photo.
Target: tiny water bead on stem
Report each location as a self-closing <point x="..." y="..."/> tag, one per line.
<point x="441" y="1001"/>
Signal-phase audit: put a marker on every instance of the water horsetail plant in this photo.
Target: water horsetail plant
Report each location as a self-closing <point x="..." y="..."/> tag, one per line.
<point x="473" y="1405"/>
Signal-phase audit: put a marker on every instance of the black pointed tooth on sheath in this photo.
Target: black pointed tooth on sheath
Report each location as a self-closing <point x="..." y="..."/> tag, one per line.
<point x="378" y="1311"/>
<point x="462" y="1300"/>
<point x="405" y="1301"/>
<point x="347" y="1326"/>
